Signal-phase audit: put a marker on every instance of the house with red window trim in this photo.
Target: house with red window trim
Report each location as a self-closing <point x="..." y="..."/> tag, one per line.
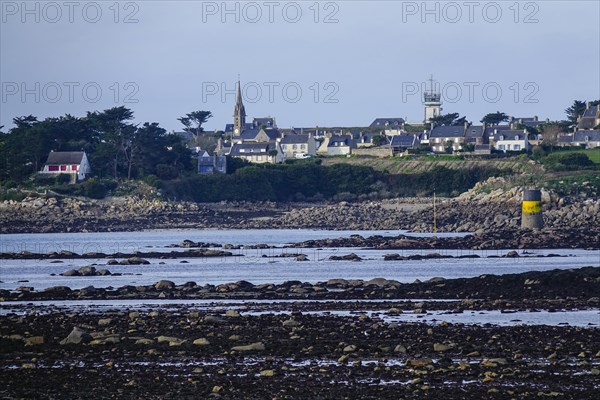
<point x="74" y="163"/>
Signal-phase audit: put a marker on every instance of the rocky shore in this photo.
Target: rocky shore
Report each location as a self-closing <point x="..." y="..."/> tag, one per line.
<point x="474" y="211"/>
<point x="310" y="350"/>
<point x="578" y="286"/>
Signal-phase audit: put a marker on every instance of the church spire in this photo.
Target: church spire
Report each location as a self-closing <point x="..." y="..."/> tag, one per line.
<point x="239" y="112"/>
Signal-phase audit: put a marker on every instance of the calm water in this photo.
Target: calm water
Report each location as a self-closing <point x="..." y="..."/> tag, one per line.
<point x="256" y="266"/>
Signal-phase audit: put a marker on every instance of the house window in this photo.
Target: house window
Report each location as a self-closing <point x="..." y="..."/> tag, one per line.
<point x="294" y="147"/>
<point x="259" y="158"/>
<point x="501" y="137"/>
<point x="501" y="147"/>
<point x="587" y="138"/>
<point x="517" y="147"/>
<point x="242" y="150"/>
<point x="73" y="167"/>
<point x="53" y="168"/>
<point x="303" y="146"/>
<point x="63" y="167"/>
<point x="517" y="137"/>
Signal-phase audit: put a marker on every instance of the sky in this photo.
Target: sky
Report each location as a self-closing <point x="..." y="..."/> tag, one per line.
<point x="306" y="63"/>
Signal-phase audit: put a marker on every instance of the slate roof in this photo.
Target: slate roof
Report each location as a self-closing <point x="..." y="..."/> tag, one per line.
<point x="365" y="137"/>
<point x="593" y="136"/>
<point x="252" y="148"/>
<point x="404" y="141"/>
<point x="339" y="141"/>
<point x="229" y="127"/>
<point x="510" y="135"/>
<point x="387" y="122"/>
<point x="475" y="131"/>
<point x="272" y="133"/>
<point x="565" y="139"/>
<point x="448" y="131"/>
<point x="591" y="112"/>
<point x="489" y="131"/>
<point x="267" y="121"/>
<point x="64" y="157"/>
<point x="294" y="139"/>
<point x="249" y="134"/>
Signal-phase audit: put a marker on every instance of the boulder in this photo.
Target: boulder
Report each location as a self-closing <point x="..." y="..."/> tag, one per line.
<point x="77" y="336"/>
<point x="164" y="285"/>
<point x="201" y="342"/>
<point x="258" y="346"/>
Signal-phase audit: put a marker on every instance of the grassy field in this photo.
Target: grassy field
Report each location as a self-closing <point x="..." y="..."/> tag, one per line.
<point x="593" y="154"/>
<point x="412" y="164"/>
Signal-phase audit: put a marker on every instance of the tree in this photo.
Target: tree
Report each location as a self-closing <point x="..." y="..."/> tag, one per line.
<point x="379" y="140"/>
<point x="114" y="134"/>
<point x="453" y="119"/>
<point x="494" y="118"/>
<point x="551" y="132"/>
<point x="449" y="146"/>
<point x="576" y="110"/>
<point x="193" y="121"/>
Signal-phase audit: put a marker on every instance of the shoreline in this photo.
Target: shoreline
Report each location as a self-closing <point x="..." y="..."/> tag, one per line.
<point x="307" y="349"/>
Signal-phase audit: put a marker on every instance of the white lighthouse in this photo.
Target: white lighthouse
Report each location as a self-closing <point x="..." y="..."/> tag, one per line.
<point x="432" y="99"/>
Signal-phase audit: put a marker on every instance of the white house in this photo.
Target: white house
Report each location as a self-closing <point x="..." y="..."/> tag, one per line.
<point x="74" y="163"/>
<point x="258" y="152"/>
<point x="337" y="145"/>
<point x="511" y="140"/>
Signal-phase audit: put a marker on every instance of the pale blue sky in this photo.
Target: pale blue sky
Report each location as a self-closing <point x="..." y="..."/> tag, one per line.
<point x="541" y="58"/>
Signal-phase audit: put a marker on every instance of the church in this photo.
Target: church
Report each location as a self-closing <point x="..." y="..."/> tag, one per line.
<point x="239" y="118"/>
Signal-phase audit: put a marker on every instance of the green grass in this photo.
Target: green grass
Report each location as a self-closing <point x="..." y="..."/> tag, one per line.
<point x="593" y="154"/>
<point x="576" y="183"/>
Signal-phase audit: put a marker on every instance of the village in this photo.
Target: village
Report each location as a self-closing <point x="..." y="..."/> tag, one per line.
<point x="263" y="142"/>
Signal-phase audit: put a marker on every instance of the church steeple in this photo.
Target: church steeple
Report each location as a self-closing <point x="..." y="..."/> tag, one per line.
<point x="239" y="113"/>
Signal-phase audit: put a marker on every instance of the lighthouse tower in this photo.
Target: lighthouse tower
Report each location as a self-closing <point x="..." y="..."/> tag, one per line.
<point x="432" y="100"/>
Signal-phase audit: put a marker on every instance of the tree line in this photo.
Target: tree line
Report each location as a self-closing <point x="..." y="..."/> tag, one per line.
<point x="307" y="180"/>
<point x="115" y="146"/>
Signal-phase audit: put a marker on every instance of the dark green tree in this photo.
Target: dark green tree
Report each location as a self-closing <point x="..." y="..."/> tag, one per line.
<point x="575" y="111"/>
<point x="193" y="121"/>
<point x="494" y="118"/>
<point x="114" y="133"/>
<point x="451" y="119"/>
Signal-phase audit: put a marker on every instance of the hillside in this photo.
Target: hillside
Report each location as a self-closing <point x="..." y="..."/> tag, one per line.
<point x="397" y="165"/>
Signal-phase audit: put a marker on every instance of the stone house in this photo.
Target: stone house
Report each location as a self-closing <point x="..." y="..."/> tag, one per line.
<point x="298" y="145"/>
<point x="444" y="136"/>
